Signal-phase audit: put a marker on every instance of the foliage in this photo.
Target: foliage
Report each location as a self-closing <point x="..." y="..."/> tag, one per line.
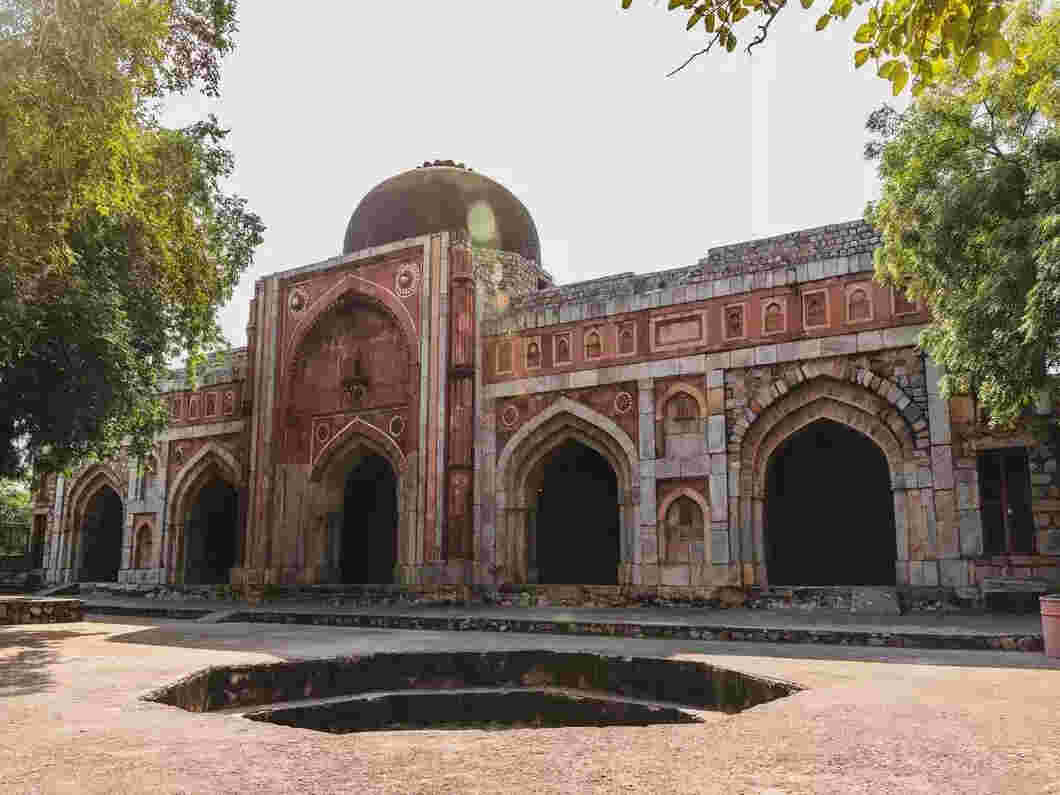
<point x="970" y="218"/>
<point x="904" y="38"/>
<point x="15" y="506"/>
<point x="117" y="241"/>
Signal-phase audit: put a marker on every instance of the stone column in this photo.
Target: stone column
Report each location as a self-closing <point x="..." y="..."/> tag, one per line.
<point x="459" y="496"/>
<point x="645" y="554"/>
<point x="719" y="468"/>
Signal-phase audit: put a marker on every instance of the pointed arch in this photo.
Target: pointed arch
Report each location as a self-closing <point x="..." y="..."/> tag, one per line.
<point x="834" y="390"/>
<point x="383" y="298"/>
<point x="210" y="458"/>
<point x="680" y="388"/>
<point x="565" y="405"/>
<point x="358" y="431"/>
<point x="84" y="488"/>
<point x="684" y="491"/>
<point x="563" y="421"/>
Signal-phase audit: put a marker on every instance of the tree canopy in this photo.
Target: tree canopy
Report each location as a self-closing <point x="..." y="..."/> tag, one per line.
<point x="970" y="217"/>
<point x="118" y="242"/>
<point x="912" y="42"/>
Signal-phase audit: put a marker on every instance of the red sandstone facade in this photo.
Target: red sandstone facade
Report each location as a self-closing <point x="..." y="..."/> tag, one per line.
<point x="430" y="409"/>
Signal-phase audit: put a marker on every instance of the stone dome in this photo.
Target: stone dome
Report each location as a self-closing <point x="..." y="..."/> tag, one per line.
<point x="443" y="195"/>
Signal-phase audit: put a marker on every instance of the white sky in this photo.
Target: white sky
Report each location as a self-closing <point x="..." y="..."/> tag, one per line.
<point x="565" y="102"/>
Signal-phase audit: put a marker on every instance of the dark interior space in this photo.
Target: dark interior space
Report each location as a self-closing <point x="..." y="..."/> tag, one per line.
<point x="829" y="512"/>
<point x="211" y="535"/>
<point x="577" y="520"/>
<point x="1005" y="500"/>
<point x="370" y="520"/>
<point x="101" y="537"/>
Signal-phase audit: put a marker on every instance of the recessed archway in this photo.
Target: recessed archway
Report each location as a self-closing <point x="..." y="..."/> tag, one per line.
<point x="519" y="468"/>
<point x="100" y="536"/>
<point x="829" y="509"/>
<point x="575" y="526"/>
<point x="368" y="546"/>
<point x="211" y="534"/>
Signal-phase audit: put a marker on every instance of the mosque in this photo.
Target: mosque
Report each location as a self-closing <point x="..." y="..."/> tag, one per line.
<point x="428" y="408"/>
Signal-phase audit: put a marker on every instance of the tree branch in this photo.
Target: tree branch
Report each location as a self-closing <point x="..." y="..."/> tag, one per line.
<point x="695" y="55"/>
<point x="763" y="30"/>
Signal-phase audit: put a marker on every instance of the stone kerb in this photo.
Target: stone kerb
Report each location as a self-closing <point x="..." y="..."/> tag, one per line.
<point x="835" y="390"/>
<point x="525" y="451"/>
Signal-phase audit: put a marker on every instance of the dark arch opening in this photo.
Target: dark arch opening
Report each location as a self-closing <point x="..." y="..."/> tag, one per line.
<point x="101" y="535"/>
<point x="211" y="534"/>
<point x="575" y="532"/>
<point x="370" y="522"/>
<point x="829" y="511"/>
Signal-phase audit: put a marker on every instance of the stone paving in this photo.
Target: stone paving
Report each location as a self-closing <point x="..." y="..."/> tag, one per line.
<point x="870" y="721"/>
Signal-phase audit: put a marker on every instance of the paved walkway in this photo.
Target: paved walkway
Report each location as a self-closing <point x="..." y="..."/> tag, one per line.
<point x="880" y="721"/>
<point x="955" y="630"/>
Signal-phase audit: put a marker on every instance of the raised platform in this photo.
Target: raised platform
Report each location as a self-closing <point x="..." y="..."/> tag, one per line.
<point x="39" y="610"/>
<point x="823" y="626"/>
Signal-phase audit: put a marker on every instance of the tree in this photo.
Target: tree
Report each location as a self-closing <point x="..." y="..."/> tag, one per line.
<point x="117" y="241"/>
<point x="15" y="516"/>
<point x="970" y="218"/>
<point x="904" y="38"/>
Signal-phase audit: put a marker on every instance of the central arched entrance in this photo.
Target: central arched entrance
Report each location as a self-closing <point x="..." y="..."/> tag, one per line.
<point x="829" y="510"/>
<point x="211" y="534"/>
<point x="370" y="522"/>
<point x="575" y="533"/>
<point x="101" y="536"/>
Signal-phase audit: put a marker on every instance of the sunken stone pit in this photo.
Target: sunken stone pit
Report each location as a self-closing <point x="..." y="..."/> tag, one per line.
<point x="451" y="690"/>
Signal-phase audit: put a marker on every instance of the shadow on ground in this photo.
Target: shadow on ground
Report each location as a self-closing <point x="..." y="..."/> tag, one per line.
<point x="25" y="657"/>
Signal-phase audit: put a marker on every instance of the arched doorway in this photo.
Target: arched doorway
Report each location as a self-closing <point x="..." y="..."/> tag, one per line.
<point x="829" y="510"/>
<point x="211" y="533"/>
<point x="101" y="536"/>
<point x="575" y="531"/>
<point x="369" y="522"/>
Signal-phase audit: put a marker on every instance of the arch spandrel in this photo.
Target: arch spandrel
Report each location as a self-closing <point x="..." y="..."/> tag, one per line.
<point x="357" y="432"/>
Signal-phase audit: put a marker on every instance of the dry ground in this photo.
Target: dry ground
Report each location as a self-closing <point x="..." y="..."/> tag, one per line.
<point x="893" y="721"/>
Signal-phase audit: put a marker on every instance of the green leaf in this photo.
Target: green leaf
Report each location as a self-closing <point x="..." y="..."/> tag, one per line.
<point x="887" y="69"/>
<point x="739" y="14"/>
<point x="730" y="45"/>
<point x="806" y="3"/>
<point x="675" y="4"/>
<point x="899" y="77"/>
<point x="708" y="22"/>
<point x="970" y="64"/>
<point x="860" y="57"/>
<point x="627" y="3"/>
<point x="694" y="18"/>
<point x="865" y="33"/>
<point x="822" y="23"/>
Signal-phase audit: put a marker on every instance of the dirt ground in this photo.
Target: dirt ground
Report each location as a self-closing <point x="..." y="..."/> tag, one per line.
<point x="871" y="721"/>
